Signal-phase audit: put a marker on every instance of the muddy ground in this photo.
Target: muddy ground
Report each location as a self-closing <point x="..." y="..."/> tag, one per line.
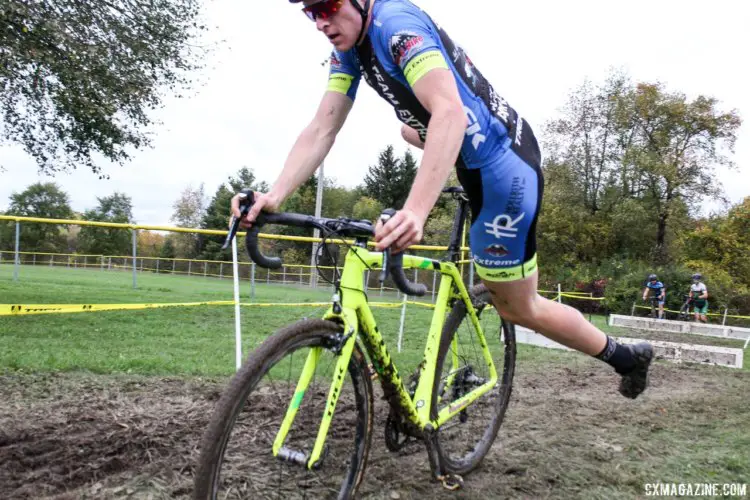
<point x="567" y="434"/>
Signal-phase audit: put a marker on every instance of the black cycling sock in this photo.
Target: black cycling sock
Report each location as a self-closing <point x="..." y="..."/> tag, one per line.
<point x="617" y="356"/>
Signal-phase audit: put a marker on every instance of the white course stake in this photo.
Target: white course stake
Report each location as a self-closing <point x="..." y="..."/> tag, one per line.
<point x="401" y="328"/>
<point x="237" y="331"/>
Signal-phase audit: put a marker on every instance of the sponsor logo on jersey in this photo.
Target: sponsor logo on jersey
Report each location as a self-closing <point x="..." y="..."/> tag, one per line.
<point x="497" y="250"/>
<point x="496" y="263"/>
<point x="474" y="129"/>
<point x="503" y="226"/>
<point x="335" y="62"/>
<point x="381" y="87"/>
<point x="404" y="45"/>
<point x="516" y="197"/>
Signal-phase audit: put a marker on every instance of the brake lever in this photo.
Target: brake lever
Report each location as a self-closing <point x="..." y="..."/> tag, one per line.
<point x="234" y="224"/>
<point x="385" y="217"/>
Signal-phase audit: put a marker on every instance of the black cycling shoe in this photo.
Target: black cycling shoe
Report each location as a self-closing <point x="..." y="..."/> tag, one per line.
<point x="636" y="380"/>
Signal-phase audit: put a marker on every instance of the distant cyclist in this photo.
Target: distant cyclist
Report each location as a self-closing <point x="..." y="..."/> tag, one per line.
<point x="656" y="290"/>
<point x="699" y="294"/>
<point x="449" y="109"/>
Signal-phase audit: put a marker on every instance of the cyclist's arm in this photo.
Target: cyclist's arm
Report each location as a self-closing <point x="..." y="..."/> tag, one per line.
<point x="645" y="293"/>
<point x="438" y="93"/>
<point x="663" y="293"/>
<point x="411" y="136"/>
<point x="704" y="294"/>
<point x="312" y="145"/>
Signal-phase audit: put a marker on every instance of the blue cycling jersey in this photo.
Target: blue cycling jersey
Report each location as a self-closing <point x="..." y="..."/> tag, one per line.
<point x="499" y="162"/>
<point x="656" y="288"/>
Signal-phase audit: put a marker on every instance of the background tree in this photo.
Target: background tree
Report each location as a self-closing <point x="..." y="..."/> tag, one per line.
<point x="189" y="210"/>
<point x="45" y="200"/>
<point x="390" y="180"/>
<point x="217" y="212"/>
<point x="105" y="240"/>
<point x="79" y="78"/>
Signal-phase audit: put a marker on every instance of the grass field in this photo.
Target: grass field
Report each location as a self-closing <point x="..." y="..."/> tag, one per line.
<point x="134" y="389"/>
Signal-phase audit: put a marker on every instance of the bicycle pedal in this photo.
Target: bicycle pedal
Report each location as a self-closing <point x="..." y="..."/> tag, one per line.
<point x="452" y="482"/>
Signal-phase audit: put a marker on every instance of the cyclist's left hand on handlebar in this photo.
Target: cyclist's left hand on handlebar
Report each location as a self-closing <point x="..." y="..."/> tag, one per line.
<point x="400" y="232"/>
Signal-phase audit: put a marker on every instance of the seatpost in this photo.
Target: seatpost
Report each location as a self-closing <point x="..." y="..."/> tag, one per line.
<point x="454" y="247"/>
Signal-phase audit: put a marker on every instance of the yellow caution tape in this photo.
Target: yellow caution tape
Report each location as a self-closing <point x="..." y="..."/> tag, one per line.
<point x="580" y="297"/>
<point x="24" y="309"/>
<point x="21" y="309"/>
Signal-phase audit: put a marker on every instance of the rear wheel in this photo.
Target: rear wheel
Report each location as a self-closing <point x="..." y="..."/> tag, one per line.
<point x="463" y="441"/>
<point x="236" y="458"/>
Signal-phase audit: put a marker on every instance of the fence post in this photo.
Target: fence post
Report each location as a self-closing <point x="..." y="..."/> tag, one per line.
<point x="724" y="321"/>
<point x="268" y="276"/>
<point x="632" y="310"/>
<point x="1" y="257"/>
<point x="109" y="263"/>
<point x="33" y="259"/>
<point x="85" y="261"/>
<point x="157" y="265"/>
<point x="75" y="262"/>
<point x="283" y="274"/>
<point x="252" y="280"/>
<point x="434" y="284"/>
<point x="135" y="257"/>
<point x="174" y="263"/>
<point x="401" y="327"/>
<point x="17" y="258"/>
<point x="559" y="293"/>
<point x="190" y="266"/>
<point x="205" y="265"/>
<point x="51" y="259"/>
<point x="68" y="261"/>
<point x="471" y="274"/>
<point x="221" y="270"/>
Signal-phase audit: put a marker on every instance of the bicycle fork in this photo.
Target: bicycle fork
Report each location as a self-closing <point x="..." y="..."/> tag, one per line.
<point x="313" y="459"/>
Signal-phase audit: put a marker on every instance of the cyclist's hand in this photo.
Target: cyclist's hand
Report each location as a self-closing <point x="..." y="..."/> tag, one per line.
<point x="400" y="232"/>
<point x="263" y="201"/>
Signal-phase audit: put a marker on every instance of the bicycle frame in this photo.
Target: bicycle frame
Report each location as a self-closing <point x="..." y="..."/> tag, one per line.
<point x="359" y="322"/>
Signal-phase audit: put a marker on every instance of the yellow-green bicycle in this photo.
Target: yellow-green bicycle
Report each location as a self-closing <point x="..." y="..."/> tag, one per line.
<point x="296" y="420"/>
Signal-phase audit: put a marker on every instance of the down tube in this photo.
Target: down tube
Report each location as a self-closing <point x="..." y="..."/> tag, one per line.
<point x="387" y="371"/>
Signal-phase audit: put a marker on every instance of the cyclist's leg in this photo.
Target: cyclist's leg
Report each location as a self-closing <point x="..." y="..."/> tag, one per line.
<point x="704" y="313"/>
<point x="505" y="200"/>
<point x="661" y="309"/>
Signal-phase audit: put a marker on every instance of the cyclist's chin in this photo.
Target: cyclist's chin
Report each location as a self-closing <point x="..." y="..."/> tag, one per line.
<point x="342" y="42"/>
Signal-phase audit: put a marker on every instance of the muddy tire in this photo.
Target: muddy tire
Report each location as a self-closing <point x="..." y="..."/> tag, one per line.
<point x="461" y="451"/>
<point x="346" y="447"/>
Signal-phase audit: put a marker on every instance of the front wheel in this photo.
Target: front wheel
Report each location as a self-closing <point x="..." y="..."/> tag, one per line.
<point x="463" y="441"/>
<point x="236" y="458"/>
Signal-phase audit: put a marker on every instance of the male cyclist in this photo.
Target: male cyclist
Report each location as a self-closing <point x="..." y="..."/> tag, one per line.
<point x="655" y="289"/>
<point x="450" y="110"/>
<point x="699" y="294"/>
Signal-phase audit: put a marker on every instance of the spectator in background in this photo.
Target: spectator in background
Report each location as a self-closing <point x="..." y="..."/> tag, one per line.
<point x="699" y="294"/>
<point x="655" y="290"/>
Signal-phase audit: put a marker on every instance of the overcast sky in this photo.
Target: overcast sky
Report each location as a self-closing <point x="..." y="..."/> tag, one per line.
<point x="263" y="84"/>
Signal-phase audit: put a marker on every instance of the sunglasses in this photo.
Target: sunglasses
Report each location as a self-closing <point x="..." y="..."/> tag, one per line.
<point x="322" y="10"/>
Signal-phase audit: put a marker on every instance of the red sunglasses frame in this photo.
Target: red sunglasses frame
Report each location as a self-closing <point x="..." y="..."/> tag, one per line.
<point x="323" y="10"/>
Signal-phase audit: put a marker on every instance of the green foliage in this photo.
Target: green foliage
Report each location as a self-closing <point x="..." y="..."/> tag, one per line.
<point x="367" y="208"/>
<point x="217" y="213"/>
<point x="44" y="200"/>
<point x="78" y="79"/>
<point x="390" y="180"/>
<point x="189" y="210"/>
<point x="116" y="208"/>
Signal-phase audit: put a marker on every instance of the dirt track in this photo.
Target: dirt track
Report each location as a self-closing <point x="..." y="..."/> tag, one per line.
<point x="71" y="436"/>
